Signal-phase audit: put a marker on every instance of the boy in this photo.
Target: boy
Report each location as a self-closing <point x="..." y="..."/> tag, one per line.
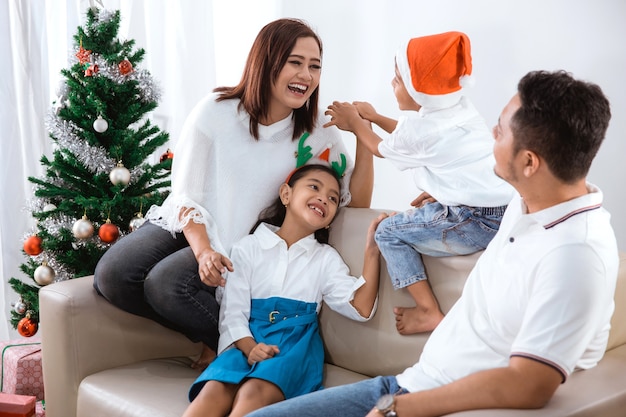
<point x="444" y="141"/>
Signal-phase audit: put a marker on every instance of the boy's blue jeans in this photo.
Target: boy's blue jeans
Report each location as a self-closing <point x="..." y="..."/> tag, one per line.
<point x="152" y="274"/>
<point x="351" y="400"/>
<point x="434" y="230"/>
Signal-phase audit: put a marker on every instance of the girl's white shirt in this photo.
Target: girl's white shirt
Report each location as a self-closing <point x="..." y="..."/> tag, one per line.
<point x="264" y="267"/>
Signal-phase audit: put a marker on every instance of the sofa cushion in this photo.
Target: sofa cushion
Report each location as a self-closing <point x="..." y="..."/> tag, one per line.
<point x="157" y="387"/>
<point x="150" y="388"/>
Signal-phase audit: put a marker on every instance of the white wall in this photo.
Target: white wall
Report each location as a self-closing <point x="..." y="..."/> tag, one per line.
<point x="509" y="38"/>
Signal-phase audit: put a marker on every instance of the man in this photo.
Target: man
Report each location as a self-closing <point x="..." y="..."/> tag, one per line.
<point x="538" y="303"/>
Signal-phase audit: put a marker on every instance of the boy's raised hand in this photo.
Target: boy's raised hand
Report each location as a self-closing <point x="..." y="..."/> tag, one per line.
<point x="345" y="116"/>
<point x="366" y="110"/>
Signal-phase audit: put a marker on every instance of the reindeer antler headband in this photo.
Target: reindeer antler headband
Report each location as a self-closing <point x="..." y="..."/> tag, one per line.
<point x="304" y="155"/>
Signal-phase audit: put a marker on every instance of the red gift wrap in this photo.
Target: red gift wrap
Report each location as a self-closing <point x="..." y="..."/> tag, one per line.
<point x="13" y="405"/>
<point x="21" y="368"/>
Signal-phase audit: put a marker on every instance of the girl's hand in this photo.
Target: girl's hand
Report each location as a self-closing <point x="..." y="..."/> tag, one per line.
<point x="261" y="351"/>
<point x="423" y="199"/>
<point x="211" y="266"/>
<point x="370" y="242"/>
<point x="366" y="110"/>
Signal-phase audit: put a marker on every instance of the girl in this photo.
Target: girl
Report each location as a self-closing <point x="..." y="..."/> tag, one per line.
<point x="169" y="268"/>
<point x="270" y="347"/>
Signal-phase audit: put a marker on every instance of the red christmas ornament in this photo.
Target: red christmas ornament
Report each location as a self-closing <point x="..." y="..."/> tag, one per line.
<point x="167" y="155"/>
<point x="83" y="55"/>
<point x="32" y="246"/>
<point x="109" y="232"/>
<point x="27" y="327"/>
<point x="125" y="67"/>
<point x="91" y="70"/>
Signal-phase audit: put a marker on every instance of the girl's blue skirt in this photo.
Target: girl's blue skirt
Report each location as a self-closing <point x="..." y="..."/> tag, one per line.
<point x="291" y="325"/>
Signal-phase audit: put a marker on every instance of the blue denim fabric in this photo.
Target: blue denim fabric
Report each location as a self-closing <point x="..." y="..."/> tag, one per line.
<point x="152" y="274"/>
<point x="434" y="230"/>
<point x="351" y="400"/>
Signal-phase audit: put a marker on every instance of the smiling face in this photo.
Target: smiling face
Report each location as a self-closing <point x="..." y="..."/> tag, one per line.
<point x="312" y="201"/>
<point x="297" y="80"/>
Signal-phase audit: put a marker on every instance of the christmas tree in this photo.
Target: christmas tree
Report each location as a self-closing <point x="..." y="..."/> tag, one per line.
<point x="99" y="180"/>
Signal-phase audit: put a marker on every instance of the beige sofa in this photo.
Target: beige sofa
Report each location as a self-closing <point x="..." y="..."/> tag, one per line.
<point x="99" y="361"/>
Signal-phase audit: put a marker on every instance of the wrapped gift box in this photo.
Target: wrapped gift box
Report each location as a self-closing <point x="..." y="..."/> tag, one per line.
<point x="40" y="409"/>
<point x="13" y="405"/>
<point x="21" y="367"/>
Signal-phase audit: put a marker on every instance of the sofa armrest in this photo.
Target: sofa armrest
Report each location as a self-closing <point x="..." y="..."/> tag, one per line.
<point x="82" y="333"/>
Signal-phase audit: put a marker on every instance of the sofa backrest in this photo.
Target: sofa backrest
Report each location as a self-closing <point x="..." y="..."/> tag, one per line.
<point x="618" y="322"/>
<point x="375" y="347"/>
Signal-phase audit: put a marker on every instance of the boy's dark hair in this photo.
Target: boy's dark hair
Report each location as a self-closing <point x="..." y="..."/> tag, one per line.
<point x="561" y="119"/>
<point x="266" y="59"/>
<point x="275" y="213"/>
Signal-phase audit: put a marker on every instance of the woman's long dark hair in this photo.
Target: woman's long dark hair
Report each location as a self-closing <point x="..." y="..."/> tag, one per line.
<point x="275" y="213"/>
<point x="266" y="59"/>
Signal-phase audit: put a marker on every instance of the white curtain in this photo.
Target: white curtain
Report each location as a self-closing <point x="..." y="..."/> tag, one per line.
<point x="36" y="42"/>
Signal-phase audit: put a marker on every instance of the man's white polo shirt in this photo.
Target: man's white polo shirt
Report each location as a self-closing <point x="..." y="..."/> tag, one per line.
<point x="543" y="289"/>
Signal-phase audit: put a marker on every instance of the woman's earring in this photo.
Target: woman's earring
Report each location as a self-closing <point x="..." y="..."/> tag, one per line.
<point x="327" y="227"/>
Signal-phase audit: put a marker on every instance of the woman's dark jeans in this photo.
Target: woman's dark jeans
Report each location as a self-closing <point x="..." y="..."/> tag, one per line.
<point x="152" y="274"/>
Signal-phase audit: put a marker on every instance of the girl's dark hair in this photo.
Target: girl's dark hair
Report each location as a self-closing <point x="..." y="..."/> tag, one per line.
<point x="266" y="59"/>
<point x="275" y="213"/>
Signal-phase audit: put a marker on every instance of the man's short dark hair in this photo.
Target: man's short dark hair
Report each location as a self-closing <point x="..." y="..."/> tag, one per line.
<point x="561" y="119"/>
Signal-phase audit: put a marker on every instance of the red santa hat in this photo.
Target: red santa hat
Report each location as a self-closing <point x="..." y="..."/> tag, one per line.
<point x="435" y="68"/>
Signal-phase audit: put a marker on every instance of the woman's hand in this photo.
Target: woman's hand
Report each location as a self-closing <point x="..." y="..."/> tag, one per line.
<point x="211" y="266"/>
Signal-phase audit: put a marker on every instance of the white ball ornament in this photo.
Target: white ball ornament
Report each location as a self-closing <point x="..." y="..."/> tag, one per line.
<point x="120" y="175"/>
<point x="82" y="228"/>
<point x="136" y="222"/>
<point x="44" y="275"/>
<point x="19" y="307"/>
<point x="49" y="207"/>
<point x="100" y="125"/>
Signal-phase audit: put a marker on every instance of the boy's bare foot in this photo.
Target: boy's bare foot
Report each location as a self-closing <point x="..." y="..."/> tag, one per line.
<point x="411" y="320"/>
<point x="206" y="357"/>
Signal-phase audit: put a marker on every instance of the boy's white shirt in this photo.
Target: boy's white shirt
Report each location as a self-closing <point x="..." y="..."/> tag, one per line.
<point x="450" y="152"/>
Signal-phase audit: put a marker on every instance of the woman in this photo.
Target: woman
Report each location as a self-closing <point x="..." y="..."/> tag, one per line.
<point x="237" y="147"/>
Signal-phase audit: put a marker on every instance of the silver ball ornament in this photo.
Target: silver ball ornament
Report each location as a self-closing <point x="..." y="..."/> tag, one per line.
<point x="49" y="207"/>
<point x="82" y="228"/>
<point x="120" y="175"/>
<point x="100" y="125"/>
<point x="44" y="275"/>
<point x="136" y="222"/>
<point x="19" y="307"/>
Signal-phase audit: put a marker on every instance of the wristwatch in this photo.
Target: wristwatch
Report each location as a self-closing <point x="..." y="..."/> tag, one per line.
<point x="386" y="405"/>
